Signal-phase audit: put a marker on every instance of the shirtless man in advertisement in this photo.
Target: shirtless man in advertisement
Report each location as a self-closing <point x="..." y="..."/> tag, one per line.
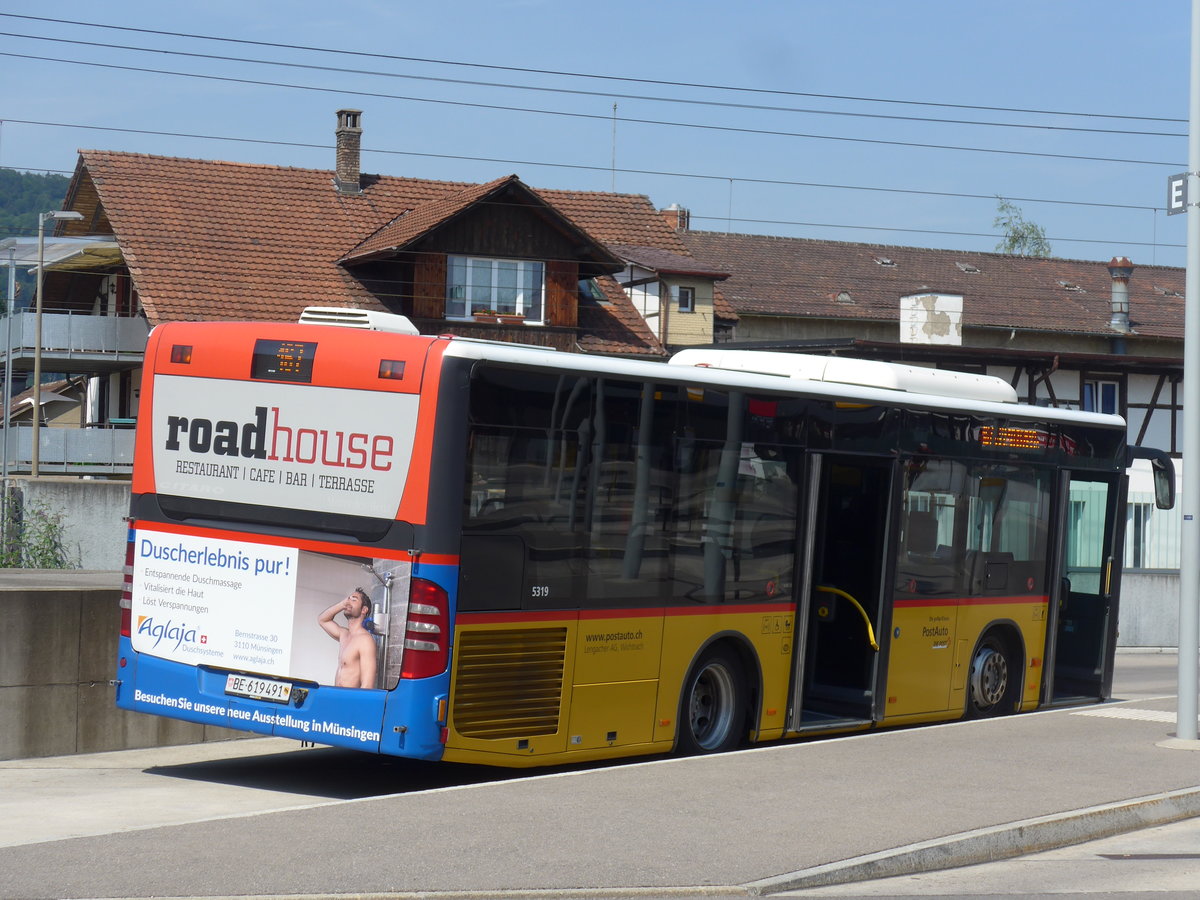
<point x="356" y="646"/>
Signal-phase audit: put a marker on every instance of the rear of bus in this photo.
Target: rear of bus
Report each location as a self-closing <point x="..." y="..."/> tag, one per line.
<point x="281" y="471"/>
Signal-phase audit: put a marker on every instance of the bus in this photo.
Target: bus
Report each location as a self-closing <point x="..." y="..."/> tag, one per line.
<point x="347" y="533"/>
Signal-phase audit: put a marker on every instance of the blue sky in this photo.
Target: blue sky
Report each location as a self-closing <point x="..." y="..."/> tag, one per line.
<point x="791" y="169"/>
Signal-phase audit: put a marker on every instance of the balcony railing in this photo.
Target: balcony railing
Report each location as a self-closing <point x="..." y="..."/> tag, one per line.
<point x="77" y="337"/>
<point x="70" y="451"/>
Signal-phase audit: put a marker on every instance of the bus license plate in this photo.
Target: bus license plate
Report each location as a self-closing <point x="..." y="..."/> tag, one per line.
<point x="258" y="688"/>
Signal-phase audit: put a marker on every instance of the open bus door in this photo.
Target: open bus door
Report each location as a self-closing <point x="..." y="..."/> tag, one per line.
<point x="840" y="610"/>
<point x="1081" y="628"/>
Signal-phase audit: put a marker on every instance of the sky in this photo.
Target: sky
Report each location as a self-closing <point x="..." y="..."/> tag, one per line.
<point x="872" y="121"/>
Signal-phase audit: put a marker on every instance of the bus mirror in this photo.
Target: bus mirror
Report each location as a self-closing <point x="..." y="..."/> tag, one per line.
<point x="1163" y="471"/>
<point x="1164" y="482"/>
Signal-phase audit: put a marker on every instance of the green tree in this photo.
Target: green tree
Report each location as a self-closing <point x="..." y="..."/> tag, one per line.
<point x="23" y="195"/>
<point x="1021" y="237"/>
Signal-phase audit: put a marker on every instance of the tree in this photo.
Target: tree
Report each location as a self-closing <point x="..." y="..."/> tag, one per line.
<point x="1021" y="238"/>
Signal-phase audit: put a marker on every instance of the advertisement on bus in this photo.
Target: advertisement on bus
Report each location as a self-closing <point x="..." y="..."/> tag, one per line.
<point x="259" y="608"/>
<point x="285" y="446"/>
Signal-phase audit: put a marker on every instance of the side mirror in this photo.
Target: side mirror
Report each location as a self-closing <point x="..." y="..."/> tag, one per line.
<point x="1163" y="471"/>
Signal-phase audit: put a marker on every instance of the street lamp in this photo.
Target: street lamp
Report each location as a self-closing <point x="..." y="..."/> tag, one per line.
<point x="62" y="215"/>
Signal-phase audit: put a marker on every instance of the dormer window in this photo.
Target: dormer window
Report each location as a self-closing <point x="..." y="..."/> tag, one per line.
<point x="1072" y="287"/>
<point x="884" y="261"/>
<point x="477" y="285"/>
<point x="967" y="268"/>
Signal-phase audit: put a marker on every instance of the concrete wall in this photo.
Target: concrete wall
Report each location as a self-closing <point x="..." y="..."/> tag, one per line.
<point x="93" y="515"/>
<point x="58" y="652"/>
<point x="1149" y="615"/>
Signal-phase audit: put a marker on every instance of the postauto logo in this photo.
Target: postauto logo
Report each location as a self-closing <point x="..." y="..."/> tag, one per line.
<point x="181" y="634"/>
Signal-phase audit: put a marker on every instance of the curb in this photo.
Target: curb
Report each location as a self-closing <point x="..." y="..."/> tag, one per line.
<point x="997" y="842"/>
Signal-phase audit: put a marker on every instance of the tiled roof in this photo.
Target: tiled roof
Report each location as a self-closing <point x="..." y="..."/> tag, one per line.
<point x="613" y="326"/>
<point x="222" y="240"/>
<point x="665" y="261"/>
<point x="799" y="277"/>
<point x="411" y="224"/>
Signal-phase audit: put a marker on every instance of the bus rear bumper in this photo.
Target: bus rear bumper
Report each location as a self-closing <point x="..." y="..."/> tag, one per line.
<point x="402" y="722"/>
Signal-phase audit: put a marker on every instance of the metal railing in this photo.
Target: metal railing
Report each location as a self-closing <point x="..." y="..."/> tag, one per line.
<point x="71" y="451"/>
<point x="73" y="334"/>
<point x="1152" y="535"/>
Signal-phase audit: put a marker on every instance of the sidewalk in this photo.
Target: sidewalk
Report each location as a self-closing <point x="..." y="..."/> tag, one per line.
<point x="763" y="820"/>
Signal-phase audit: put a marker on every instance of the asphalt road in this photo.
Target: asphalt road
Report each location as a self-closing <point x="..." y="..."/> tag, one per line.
<point x="263" y="818"/>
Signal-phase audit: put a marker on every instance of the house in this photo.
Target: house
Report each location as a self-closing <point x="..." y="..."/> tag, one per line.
<point x="198" y="239"/>
<point x="1074" y="333"/>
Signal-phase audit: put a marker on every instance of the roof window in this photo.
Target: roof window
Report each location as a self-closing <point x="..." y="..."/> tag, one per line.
<point x="1073" y="288"/>
<point x="968" y="268"/>
<point x="884" y="261"/>
<point x="1167" y="293"/>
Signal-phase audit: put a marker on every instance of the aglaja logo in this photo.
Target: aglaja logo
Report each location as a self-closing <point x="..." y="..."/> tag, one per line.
<point x="181" y="634"/>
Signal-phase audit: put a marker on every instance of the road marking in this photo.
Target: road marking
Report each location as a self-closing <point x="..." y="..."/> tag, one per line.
<point x="1139" y="715"/>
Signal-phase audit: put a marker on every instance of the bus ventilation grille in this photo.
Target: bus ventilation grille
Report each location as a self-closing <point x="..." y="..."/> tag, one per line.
<point x="509" y="683"/>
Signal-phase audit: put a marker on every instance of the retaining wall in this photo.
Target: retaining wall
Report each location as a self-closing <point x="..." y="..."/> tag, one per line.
<point x="58" y="651"/>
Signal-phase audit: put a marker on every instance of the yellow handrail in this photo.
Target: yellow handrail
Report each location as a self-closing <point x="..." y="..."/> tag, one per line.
<point x="862" y="612"/>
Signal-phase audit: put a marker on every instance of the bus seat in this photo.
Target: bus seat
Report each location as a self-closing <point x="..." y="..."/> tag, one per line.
<point x="920" y="533"/>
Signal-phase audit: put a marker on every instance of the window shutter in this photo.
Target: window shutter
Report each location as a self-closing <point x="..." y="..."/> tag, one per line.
<point x="429" y="286"/>
<point x="562" y="293"/>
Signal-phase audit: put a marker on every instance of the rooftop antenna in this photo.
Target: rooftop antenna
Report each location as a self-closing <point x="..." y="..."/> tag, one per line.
<point x="614" y="150"/>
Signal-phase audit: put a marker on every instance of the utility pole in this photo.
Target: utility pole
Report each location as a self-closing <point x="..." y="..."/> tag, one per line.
<point x="1189" y="563"/>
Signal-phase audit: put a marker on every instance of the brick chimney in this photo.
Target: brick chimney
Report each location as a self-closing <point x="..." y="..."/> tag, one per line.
<point x="349" y="144"/>
<point x="678" y="218"/>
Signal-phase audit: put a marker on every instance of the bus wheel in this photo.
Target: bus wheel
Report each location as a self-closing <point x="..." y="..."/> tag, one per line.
<point x="714" y="705"/>
<point x="992" y="679"/>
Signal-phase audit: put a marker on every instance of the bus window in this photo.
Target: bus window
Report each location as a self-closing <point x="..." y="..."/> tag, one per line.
<point x="525" y="487"/>
<point x="931" y="549"/>
<point x="1007" y="535"/>
<point x="631" y="492"/>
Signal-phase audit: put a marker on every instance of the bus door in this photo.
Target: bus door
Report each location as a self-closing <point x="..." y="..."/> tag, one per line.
<point x="1082" y="624"/>
<point x="840" y="610"/>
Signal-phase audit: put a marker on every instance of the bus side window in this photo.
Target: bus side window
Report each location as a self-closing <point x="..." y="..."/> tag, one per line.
<point x="931" y="555"/>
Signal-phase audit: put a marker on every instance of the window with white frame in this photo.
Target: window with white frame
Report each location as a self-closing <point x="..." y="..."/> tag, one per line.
<point x="476" y="285"/>
<point x="685" y="298"/>
<point x="1101" y="395"/>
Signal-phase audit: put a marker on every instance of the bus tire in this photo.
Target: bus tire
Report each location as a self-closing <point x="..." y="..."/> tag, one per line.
<point x="713" y="704"/>
<point x="994" y="678"/>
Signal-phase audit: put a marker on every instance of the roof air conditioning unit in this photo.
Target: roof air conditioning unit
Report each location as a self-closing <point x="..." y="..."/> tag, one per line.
<point x="366" y="319"/>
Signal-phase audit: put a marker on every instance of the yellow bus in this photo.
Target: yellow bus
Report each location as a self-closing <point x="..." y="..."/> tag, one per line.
<point x="481" y="552"/>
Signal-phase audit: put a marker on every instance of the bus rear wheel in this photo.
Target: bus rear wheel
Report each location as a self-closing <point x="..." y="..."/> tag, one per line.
<point x="713" y="711"/>
<point x="993" y="679"/>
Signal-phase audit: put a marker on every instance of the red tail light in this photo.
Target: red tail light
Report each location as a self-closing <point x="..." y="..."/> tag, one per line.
<point x="127" y="590"/>
<point x="427" y="632"/>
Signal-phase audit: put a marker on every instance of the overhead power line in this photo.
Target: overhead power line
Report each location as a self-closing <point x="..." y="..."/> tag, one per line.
<point x="739" y="179"/>
<point x="596" y="116"/>
<point x="586" y="93"/>
<point x="985" y="234"/>
<point x="596" y="76"/>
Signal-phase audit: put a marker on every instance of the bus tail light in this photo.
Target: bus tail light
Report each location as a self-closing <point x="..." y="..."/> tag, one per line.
<point x="426" y="633"/>
<point x="127" y="590"/>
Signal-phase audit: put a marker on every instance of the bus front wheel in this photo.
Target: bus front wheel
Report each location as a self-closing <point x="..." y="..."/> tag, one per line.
<point x="993" y="679"/>
<point x="713" y="710"/>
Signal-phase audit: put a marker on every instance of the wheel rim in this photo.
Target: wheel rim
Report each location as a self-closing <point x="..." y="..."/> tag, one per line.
<point x="989" y="677"/>
<point x="711" y="708"/>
